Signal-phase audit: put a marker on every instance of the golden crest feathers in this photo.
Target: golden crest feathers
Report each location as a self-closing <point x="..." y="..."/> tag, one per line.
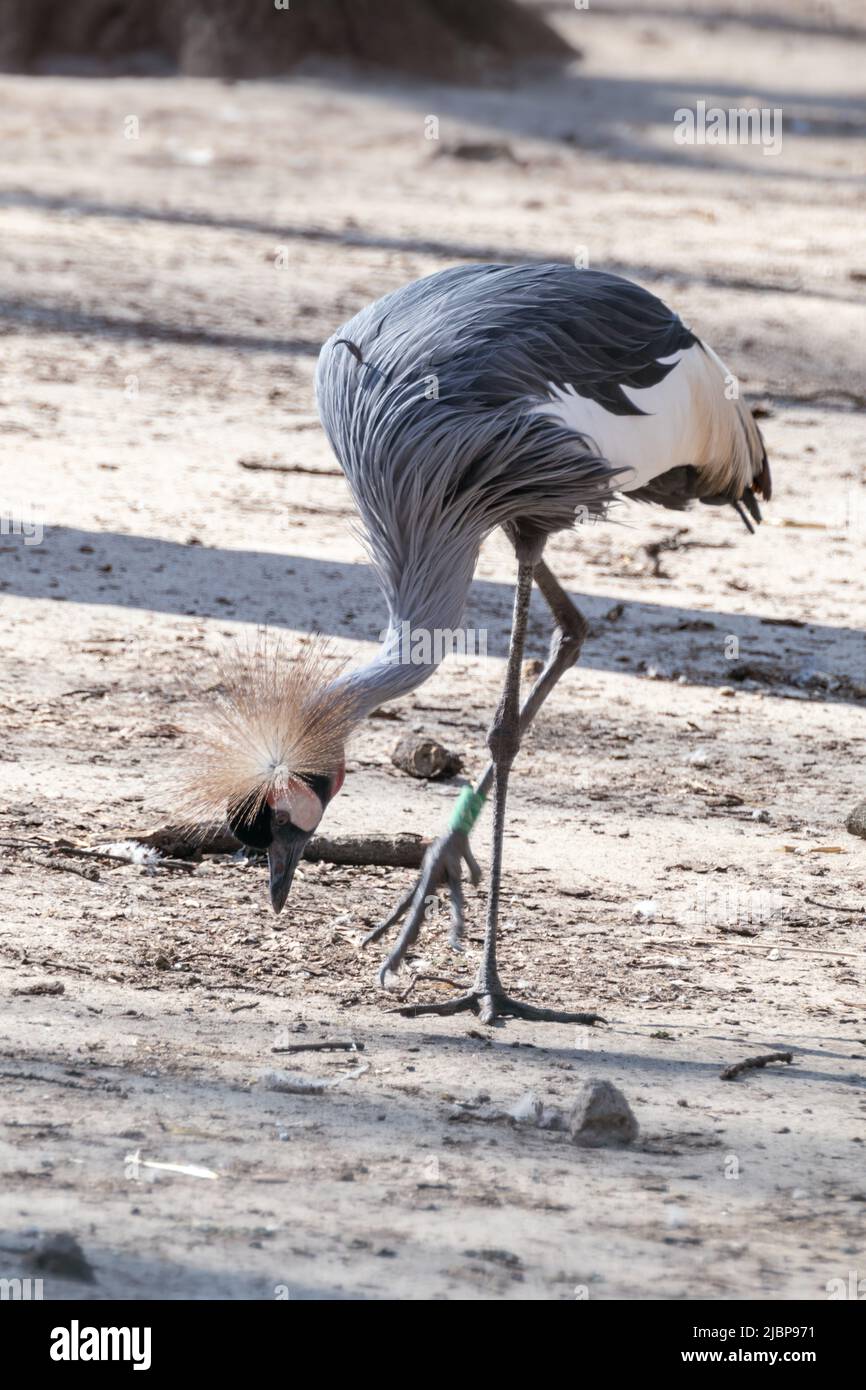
<point x="274" y="716"/>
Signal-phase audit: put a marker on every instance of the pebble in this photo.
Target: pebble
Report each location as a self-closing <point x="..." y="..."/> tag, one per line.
<point x="61" y="1254"/>
<point x="424" y="757"/>
<point x="602" y="1116"/>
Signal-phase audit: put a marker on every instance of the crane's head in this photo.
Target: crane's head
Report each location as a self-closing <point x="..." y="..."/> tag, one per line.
<point x="272" y="754"/>
<point x="284" y="823"/>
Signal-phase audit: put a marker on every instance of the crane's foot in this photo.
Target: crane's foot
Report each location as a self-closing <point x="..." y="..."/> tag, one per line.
<point x="490" y="1005"/>
<point x="443" y="865"/>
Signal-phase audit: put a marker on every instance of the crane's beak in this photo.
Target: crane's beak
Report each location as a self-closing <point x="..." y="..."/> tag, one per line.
<point x="284" y="855"/>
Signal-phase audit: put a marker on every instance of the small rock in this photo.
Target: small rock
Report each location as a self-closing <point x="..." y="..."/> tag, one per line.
<point x="856" y="822"/>
<point x="61" y="1254"/>
<point x="602" y="1116"/>
<point x="424" y="757"/>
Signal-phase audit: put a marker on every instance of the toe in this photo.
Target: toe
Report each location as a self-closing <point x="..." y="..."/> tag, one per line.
<point x="472" y="865"/>
<point x="458" y="914"/>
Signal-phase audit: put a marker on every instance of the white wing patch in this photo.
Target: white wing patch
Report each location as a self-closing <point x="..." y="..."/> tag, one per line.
<point x="688" y="420"/>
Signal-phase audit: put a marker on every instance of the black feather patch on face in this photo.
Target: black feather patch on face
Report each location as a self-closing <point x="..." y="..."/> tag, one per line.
<point x="255" y="833"/>
<point x="320" y="785"/>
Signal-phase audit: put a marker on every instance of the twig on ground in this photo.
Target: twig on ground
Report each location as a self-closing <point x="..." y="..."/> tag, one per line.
<point x="404" y="851"/>
<point x="88" y="871"/>
<point x="750" y="946"/>
<point x="334" y="1045"/>
<point x="753" y="1064"/>
<point x="835" y="907"/>
<point x="69" y="850"/>
<point x="255" y="467"/>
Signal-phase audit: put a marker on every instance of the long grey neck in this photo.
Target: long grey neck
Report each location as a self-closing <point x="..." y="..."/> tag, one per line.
<point x="431" y="612"/>
<point x="406" y="659"/>
<point x="424" y="573"/>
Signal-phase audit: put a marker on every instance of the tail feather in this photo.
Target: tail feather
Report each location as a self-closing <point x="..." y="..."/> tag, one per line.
<point x="734" y="470"/>
<point x="745" y="468"/>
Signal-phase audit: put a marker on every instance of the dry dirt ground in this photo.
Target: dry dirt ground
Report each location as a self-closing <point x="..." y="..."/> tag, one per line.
<point x="163" y="300"/>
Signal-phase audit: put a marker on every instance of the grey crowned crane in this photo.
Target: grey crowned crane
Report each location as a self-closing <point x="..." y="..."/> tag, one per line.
<point x="524" y="397"/>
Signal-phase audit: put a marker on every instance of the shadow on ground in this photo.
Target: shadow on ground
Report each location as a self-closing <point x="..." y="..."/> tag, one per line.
<point x="302" y="594"/>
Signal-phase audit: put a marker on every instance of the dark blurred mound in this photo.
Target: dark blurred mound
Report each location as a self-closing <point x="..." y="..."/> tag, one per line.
<point x="455" y="40"/>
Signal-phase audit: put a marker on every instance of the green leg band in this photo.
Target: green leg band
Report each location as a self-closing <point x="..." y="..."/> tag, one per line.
<point x="469" y="806"/>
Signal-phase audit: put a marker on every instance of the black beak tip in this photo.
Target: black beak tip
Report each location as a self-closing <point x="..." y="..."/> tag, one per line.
<point x="284" y="855"/>
<point x="281" y="877"/>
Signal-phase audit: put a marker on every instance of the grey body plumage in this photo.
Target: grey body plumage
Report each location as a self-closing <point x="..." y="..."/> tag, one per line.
<point x="431" y="420"/>
<point x="434" y="401"/>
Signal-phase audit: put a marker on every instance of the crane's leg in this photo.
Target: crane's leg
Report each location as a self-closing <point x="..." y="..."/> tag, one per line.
<point x="444" y="858"/>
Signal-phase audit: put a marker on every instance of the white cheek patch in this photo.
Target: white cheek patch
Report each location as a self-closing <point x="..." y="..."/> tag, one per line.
<point x="299" y="802"/>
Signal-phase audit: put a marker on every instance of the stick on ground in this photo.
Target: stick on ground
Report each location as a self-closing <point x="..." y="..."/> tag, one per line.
<point x="404" y="851"/>
<point x="254" y="466"/>
<point x="753" y="1064"/>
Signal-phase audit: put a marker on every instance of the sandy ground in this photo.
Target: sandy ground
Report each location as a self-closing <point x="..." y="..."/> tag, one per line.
<point x="163" y="300"/>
